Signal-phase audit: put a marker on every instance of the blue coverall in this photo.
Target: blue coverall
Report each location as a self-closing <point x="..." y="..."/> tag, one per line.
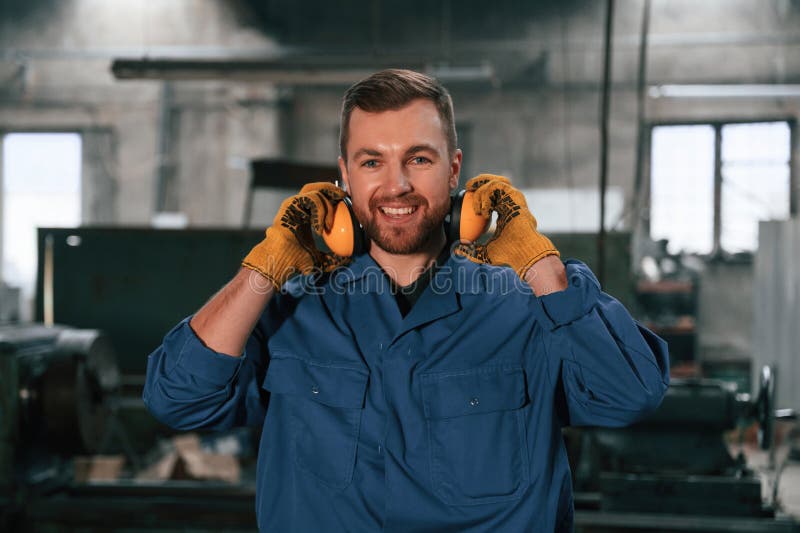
<point x="447" y="420"/>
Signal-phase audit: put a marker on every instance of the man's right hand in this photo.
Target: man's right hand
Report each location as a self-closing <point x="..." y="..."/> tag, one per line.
<point x="289" y="247"/>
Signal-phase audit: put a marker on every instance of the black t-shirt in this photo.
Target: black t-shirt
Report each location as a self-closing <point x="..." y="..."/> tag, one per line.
<point x="408" y="295"/>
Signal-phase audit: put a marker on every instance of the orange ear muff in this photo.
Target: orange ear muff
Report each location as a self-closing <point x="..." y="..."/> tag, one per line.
<point x="346" y="237"/>
<point x="465" y="223"/>
<point x="472" y="225"/>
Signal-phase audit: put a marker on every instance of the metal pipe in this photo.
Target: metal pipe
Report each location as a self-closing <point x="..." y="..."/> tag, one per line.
<point x="726" y="90"/>
<point x="641" y="100"/>
<point x="332" y="72"/>
<point x="604" y="119"/>
<point x="47" y="283"/>
<point x="717" y="245"/>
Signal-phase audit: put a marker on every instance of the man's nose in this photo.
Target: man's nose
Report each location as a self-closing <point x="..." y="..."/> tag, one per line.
<point x="397" y="180"/>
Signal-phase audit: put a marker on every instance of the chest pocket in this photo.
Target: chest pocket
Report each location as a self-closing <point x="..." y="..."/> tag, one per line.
<point x="476" y="434"/>
<point x="325" y="404"/>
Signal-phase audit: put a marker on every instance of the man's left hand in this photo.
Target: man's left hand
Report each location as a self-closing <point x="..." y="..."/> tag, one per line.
<point x="516" y="241"/>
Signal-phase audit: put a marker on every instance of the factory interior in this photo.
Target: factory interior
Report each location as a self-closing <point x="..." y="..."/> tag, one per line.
<point x="147" y="144"/>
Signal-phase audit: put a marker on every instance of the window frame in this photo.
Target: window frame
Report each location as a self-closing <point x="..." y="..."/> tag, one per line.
<point x="717" y="253"/>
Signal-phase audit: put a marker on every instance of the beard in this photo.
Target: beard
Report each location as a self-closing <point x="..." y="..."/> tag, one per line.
<point x="404" y="240"/>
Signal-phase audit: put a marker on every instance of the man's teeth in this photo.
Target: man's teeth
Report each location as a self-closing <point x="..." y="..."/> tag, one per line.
<point x="398" y="210"/>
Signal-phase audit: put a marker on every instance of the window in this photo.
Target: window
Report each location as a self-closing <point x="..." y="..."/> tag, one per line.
<point x="41" y="181"/>
<point x="710" y="184"/>
<point x="682" y="187"/>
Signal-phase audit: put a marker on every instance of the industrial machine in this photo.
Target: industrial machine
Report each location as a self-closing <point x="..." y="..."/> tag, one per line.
<point x="676" y="472"/>
<point x="57" y="386"/>
<point x="60" y="395"/>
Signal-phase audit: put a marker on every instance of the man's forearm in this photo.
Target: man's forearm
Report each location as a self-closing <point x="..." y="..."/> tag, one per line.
<point x="225" y="322"/>
<point x="546" y="276"/>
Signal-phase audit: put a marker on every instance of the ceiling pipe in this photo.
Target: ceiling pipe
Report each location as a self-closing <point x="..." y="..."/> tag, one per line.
<point x="340" y="72"/>
<point x="733" y="90"/>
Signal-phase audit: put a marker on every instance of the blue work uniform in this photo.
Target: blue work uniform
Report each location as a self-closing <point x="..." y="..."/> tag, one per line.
<point x="446" y="420"/>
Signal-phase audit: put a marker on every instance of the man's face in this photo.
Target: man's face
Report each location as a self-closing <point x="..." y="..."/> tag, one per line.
<point x="399" y="175"/>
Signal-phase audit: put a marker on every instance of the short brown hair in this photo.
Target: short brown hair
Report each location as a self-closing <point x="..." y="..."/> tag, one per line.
<point x="392" y="89"/>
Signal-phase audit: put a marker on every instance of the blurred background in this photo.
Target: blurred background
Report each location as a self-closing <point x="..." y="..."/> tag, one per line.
<point x="146" y="144"/>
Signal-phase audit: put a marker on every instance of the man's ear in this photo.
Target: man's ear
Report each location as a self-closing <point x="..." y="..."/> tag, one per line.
<point x="343" y="173"/>
<point x="455" y="168"/>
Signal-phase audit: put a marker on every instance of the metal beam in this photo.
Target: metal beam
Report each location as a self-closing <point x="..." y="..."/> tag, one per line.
<point x="308" y="71"/>
<point x="728" y="90"/>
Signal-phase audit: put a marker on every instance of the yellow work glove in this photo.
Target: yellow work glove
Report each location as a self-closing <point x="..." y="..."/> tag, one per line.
<point x="289" y="248"/>
<point x="515" y="242"/>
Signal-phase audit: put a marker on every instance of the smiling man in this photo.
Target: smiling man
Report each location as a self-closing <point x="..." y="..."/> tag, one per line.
<point x="413" y="389"/>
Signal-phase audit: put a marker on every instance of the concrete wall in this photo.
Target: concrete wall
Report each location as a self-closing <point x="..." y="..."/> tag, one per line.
<point x="55" y="75"/>
<point x="187" y="144"/>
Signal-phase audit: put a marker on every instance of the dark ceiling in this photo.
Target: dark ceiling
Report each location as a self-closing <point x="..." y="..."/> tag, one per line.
<point x="375" y="25"/>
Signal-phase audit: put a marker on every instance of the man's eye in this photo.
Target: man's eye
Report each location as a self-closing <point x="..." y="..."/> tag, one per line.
<point x="420" y="160"/>
<point x="369" y="163"/>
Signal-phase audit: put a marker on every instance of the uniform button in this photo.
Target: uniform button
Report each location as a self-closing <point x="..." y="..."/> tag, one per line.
<point x="474" y="402"/>
<point x="315" y="389"/>
<point x="380" y="346"/>
<point x="380" y="449"/>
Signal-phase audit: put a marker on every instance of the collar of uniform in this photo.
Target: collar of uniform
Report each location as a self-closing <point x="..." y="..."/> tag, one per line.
<point x="456" y="274"/>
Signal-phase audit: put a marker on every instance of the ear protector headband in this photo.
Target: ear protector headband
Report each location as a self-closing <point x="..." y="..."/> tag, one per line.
<point x="347" y="237"/>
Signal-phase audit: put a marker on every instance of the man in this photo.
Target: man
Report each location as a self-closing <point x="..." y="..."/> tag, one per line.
<point x="409" y="389"/>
